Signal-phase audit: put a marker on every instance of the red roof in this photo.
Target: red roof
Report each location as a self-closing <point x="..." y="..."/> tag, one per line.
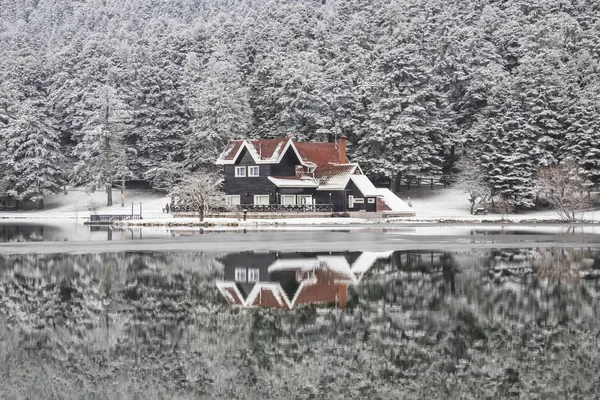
<point x="324" y="290"/>
<point x="334" y="176"/>
<point x="268" y="148"/>
<point x="231" y="150"/>
<point x="271" y="297"/>
<point x="319" y="153"/>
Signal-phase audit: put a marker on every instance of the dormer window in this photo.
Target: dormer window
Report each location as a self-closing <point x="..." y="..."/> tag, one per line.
<point x="240" y="172"/>
<point x="253" y="171"/>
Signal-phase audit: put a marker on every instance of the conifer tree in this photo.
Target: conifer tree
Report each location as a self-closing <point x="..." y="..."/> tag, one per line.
<point x="31" y="157"/>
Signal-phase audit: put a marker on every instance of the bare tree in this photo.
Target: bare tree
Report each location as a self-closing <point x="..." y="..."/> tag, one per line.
<point x="472" y="180"/>
<point x="199" y="192"/>
<point x="505" y="205"/>
<point x="566" y="188"/>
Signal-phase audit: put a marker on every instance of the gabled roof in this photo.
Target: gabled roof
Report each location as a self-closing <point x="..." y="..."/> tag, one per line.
<point x="231" y="152"/>
<point x="263" y="151"/>
<point x="365" y="186"/>
<point x="272" y="150"/>
<point x="334" y="177"/>
<point x="267" y="149"/>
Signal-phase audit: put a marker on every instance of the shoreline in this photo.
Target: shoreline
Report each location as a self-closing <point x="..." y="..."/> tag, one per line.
<point x="317" y="222"/>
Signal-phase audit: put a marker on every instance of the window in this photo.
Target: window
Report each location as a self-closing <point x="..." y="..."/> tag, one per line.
<point x="371" y="200"/>
<point x="240" y="274"/>
<point x="240" y="171"/>
<point x="261" y="199"/>
<point x="233" y="200"/>
<point x="350" y="201"/>
<point x="253" y="171"/>
<point x="253" y="274"/>
<point x="305" y="200"/>
<point x="288" y="199"/>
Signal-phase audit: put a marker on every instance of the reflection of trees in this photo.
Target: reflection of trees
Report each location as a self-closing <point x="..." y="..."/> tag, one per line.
<point x="472" y="325"/>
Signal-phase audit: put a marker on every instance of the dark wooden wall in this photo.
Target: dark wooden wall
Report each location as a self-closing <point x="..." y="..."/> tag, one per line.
<point x="287" y="166"/>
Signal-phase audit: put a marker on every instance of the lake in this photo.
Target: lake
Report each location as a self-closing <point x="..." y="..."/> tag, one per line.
<point x="379" y="312"/>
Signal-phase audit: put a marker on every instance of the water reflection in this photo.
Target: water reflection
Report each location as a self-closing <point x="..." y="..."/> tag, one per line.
<point x="276" y="280"/>
<point x="419" y="324"/>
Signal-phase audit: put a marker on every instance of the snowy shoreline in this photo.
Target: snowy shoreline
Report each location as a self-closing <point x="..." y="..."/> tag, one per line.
<point x="443" y="207"/>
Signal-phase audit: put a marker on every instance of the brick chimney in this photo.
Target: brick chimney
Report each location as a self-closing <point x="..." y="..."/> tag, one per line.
<point x="342" y="150"/>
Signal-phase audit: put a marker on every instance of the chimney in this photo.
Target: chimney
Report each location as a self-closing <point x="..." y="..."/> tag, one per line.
<point x="342" y="150"/>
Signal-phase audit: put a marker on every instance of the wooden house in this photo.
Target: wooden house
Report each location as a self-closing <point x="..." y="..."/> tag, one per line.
<point x="286" y="173"/>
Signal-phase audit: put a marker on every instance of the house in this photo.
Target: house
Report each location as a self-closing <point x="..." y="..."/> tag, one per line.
<point x="317" y="175"/>
<point x="276" y="281"/>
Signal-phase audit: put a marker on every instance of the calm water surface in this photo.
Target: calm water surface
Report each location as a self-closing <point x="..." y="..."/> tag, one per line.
<point x="474" y="324"/>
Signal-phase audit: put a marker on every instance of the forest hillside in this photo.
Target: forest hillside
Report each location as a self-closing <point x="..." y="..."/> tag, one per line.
<point x="159" y="87"/>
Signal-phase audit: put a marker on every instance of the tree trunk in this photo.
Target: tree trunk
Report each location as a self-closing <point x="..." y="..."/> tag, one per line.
<point x="109" y="174"/>
<point x="123" y="191"/>
<point x="109" y="201"/>
<point x="201" y="213"/>
<point x="41" y="204"/>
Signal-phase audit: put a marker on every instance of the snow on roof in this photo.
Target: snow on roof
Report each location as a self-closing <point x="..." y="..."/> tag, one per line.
<point x="363" y="183"/>
<point x="294" y="181"/>
<point x="268" y="295"/>
<point x="231" y="293"/>
<point x="365" y="261"/>
<point x="271" y="150"/>
<point x="394" y="202"/>
<point x="334" y="177"/>
<point x="267" y="149"/>
<point x="338" y="265"/>
<point x="231" y="151"/>
<point x="319" y="153"/>
<point x="286" y="264"/>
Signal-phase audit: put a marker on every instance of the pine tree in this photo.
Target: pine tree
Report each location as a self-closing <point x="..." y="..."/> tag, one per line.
<point x="221" y="113"/>
<point x="103" y="156"/>
<point x="31" y="158"/>
<point x="403" y="131"/>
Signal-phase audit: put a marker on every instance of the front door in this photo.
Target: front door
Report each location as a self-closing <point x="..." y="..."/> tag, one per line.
<point x="371" y="204"/>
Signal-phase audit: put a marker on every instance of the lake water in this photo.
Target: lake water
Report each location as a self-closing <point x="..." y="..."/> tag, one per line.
<point x="454" y="322"/>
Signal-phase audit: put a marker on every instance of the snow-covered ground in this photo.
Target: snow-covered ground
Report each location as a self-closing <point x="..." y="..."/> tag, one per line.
<point x="444" y="205"/>
<point x="452" y="205"/>
<point x="77" y="204"/>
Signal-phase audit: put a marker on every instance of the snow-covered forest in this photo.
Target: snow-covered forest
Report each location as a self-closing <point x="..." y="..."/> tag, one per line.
<point x="158" y="87"/>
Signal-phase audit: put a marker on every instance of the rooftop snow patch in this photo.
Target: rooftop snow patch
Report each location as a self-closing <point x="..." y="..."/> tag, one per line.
<point x="396" y="205"/>
<point x="365" y="186"/>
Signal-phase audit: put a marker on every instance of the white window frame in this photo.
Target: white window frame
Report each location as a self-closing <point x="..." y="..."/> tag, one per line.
<point x="261" y="196"/>
<point x="291" y="197"/>
<point x="241" y="275"/>
<point x="304" y="200"/>
<point x="253" y="171"/>
<point x="350" y="201"/>
<point x="233" y="200"/>
<point x="253" y="275"/>
<point x="371" y="200"/>
<point x="240" y="172"/>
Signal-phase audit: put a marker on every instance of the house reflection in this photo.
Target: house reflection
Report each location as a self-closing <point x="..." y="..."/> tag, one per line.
<point x="274" y="280"/>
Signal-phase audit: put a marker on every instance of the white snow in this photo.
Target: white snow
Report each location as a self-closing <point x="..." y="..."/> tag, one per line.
<point x="364" y="184"/>
<point x="393" y="201"/>
<point x="445" y="205"/>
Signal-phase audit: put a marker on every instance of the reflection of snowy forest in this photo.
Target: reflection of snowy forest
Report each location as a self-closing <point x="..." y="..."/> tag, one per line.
<point x="161" y="86"/>
<point x="476" y="324"/>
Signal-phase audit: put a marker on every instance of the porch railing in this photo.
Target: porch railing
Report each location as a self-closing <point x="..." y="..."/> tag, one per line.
<point x="262" y="208"/>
